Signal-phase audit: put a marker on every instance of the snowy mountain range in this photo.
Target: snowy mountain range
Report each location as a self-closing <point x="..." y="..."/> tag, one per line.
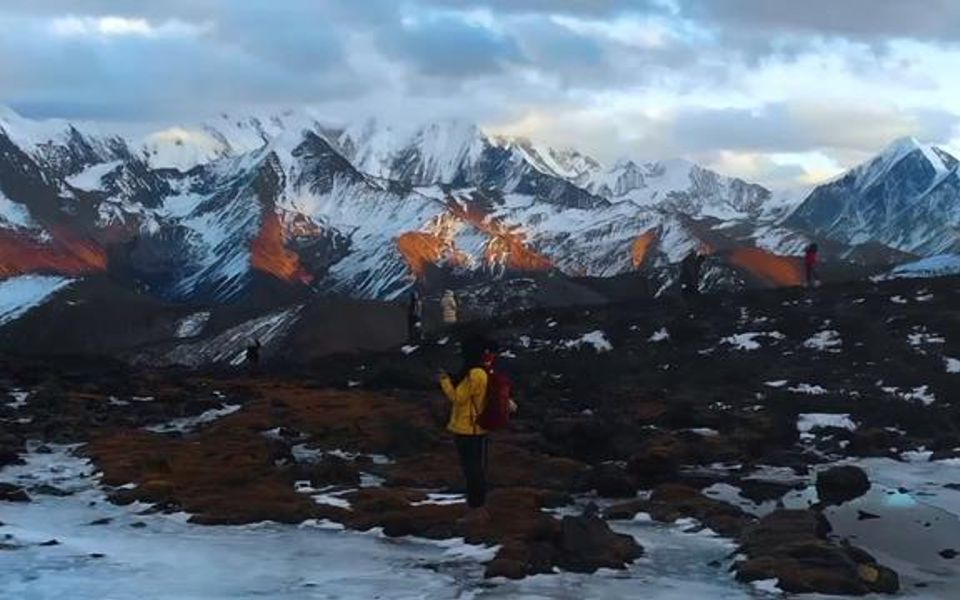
<point x="201" y="213"/>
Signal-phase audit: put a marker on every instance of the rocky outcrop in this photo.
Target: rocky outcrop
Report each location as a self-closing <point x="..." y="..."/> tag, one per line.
<point x="791" y="546"/>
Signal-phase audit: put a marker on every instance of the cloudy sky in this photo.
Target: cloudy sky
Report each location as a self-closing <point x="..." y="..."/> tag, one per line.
<point x="778" y="91"/>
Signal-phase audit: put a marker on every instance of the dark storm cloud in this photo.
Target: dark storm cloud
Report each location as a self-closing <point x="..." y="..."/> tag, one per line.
<point x="869" y="20"/>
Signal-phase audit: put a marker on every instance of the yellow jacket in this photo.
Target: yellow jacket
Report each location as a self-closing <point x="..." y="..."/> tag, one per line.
<point x="468" y="398"/>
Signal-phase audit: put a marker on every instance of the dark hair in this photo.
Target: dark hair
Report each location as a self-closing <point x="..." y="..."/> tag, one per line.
<point x="472" y="350"/>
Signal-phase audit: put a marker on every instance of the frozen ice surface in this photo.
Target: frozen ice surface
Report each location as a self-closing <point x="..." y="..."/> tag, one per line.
<point x="171" y="559"/>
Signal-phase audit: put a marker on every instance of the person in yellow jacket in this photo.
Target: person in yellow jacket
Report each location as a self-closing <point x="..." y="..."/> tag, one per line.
<point x="468" y="397"/>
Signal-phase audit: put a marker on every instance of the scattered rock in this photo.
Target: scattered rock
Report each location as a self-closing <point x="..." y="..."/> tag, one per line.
<point x="49" y="490"/>
<point x="12" y="493"/>
<point x="837" y="485"/>
<point x="103" y="521"/>
<point x="948" y="554"/>
<point x="863" y="515"/>
<point x="758" y="491"/>
<point x="52" y="542"/>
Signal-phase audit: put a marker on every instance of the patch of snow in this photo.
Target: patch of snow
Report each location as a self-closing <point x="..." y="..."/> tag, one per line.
<point x="192" y="325"/>
<point x="921" y="393"/>
<point x="767" y="586"/>
<point x="806" y="388"/>
<point x="18" y="295"/>
<point x="704" y="432"/>
<point x="807" y="422"/>
<point x="898" y="300"/>
<point x="934" y="266"/>
<point x="188" y="424"/>
<point x="230" y="346"/>
<point x="825" y="341"/>
<point x="776" y="384"/>
<point x="332" y="499"/>
<point x="953" y="364"/>
<point x="597" y="339"/>
<point x="409" y="349"/>
<point x="90" y="178"/>
<point x="661" y="335"/>
<point x="441" y="499"/>
<point x="924" y="337"/>
<point x="748" y="340"/>
<point x="14" y="213"/>
<point x="916" y="455"/>
<point x="19" y="399"/>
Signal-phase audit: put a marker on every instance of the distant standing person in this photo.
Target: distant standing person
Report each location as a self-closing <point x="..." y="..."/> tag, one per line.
<point x="690" y="268"/>
<point x="415" y="318"/>
<point x="451" y="308"/>
<point x="811" y="259"/>
<point x="253" y="356"/>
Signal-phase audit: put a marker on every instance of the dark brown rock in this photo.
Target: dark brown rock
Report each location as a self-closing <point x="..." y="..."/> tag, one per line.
<point x="612" y="481"/>
<point x="837" y="485"/>
<point x="587" y="543"/>
<point x="12" y="493"/>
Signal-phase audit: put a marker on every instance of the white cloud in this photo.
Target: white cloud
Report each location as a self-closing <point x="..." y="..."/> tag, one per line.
<point x="114" y="26"/>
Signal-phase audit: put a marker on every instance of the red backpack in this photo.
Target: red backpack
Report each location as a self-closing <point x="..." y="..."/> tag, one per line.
<point x="496" y="413"/>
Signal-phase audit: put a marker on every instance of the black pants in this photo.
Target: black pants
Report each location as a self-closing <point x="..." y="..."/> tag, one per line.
<point x="812" y="276"/>
<point x="414" y="330"/>
<point x="473" y="460"/>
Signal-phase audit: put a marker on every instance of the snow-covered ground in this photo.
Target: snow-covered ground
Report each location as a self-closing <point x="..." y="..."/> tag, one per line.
<point x="934" y="266"/>
<point x="20" y="294"/>
<point x="162" y="557"/>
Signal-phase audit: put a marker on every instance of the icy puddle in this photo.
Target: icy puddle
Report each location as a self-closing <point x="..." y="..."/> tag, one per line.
<point x="163" y="557"/>
<point x="905" y="521"/>
<point x="919" y="518"/>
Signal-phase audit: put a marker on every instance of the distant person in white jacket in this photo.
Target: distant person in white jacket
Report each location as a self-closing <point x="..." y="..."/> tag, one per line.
<point x="450" y="307"/>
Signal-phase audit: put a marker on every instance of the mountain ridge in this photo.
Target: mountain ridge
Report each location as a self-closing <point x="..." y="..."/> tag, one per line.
<point x="368" y="211"/>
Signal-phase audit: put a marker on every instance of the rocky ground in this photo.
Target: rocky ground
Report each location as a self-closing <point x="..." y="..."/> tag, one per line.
<point x="755" y="415"/>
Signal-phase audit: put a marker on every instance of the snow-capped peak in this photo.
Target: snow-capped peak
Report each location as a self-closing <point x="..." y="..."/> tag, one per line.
<point x="426" y="153"/>
<point x="869" y="173"/>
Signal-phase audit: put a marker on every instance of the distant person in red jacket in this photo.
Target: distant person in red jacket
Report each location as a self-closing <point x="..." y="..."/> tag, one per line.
<point x="811" y="257"/>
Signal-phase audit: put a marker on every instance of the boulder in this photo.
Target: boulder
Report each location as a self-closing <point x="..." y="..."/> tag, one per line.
<point x="517" y="559"/>
<point x="658" y="461"/>
<point x="612" y="481"/>
<point x="12" y="493"/>
<point x="331" y="470"/>
<point x="9" y="455"/>
<point x="837" y="485"/>
<point x="587" y="543"/>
